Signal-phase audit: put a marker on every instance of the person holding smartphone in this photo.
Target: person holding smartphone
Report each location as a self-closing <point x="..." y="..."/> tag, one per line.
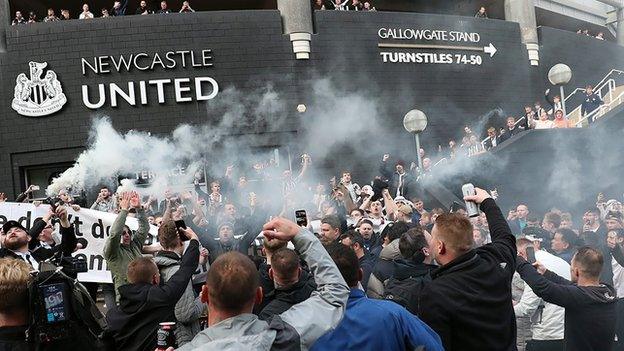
<point x="547" y="319"/>
<point x="590" y="306"/>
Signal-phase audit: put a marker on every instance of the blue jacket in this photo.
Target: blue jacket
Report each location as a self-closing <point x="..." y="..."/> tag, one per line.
<point x="381" y="325"/>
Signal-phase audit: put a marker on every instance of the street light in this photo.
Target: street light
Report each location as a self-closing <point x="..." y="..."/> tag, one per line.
<point x="415" y="121"/>
<point x="560" y="74"/>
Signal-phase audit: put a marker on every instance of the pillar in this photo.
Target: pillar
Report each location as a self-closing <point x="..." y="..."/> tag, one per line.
<point x="523" y="13"/>
<point x="5" y="21"/>
<point x="297" y="23"/>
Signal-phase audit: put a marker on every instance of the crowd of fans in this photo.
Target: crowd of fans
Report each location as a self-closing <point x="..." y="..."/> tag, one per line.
<point x="599" y="35"/>
<point x="533" y="116"/>
<point x="366" y="267"/>
<point x="343" y="5"/>
<point x="119" y="8"/>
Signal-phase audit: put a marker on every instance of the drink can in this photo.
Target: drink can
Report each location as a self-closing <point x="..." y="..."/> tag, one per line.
<point x="165" y="336"/>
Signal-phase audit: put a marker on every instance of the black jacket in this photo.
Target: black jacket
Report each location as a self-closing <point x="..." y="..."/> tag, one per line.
<point x="217" y="248"/>
<point x="590" y="311"/>
<point x="408" y="188"/>
<point x="489" y="143"/>
<point x="468" y="301"/>
<point x="367" y="263"/>
<point x="143" y="306"/>
<point x="508" y="134"/>
<point x="278" y="300"/>
<point x="606" y="274"/>
<point x="406" y="285"/>
<point x="14" y="339"/>
<point x="373" y="244"/>
<point x="39" y="253"/>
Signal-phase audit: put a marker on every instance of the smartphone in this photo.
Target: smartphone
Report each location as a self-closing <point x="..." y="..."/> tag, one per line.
<point x="301" y="217"/>
<point x="55" y="302"/>
<point x="530" y="251"/>
<point x="180" y="224"/>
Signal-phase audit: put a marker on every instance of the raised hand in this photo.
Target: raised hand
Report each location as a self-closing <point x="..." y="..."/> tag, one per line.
<point x="124" y="202"/>
<point x="61" y="213"/>
<point x="280" y="228"/>
<point x="479" y="197"/>
<point x="541" y="269"/>
<point x="135" y="200"/>
<point x="189" y="233"/>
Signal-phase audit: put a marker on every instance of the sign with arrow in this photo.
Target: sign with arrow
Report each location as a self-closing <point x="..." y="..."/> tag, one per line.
<point x="454" y="49"/>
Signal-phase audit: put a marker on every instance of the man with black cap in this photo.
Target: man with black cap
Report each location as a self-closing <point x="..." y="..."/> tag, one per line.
<point x="20" y="243"/>
<point x="226" y="241"/>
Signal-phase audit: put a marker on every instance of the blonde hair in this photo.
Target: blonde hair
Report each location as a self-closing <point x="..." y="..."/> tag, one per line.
<point x="14" y="279"/>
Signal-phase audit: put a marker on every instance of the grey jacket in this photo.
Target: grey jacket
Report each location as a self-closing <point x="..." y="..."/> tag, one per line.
<point x="189" y="308"/>
<point x="297" y="328"/>
<point x="376" y="287"/>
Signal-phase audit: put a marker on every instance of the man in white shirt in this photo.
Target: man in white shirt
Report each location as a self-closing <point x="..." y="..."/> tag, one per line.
<point x="547" y="319"/>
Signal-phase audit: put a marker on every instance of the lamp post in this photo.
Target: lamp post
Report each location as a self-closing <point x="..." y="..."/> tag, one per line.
<point x="560" y="74"/>
<point x="415" y="121"/>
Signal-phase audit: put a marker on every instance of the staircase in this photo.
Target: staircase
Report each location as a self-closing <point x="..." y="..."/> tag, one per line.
<point x="609" y="91"/>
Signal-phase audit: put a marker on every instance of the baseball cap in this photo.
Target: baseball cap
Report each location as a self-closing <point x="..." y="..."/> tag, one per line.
<point x="12" y="224"/>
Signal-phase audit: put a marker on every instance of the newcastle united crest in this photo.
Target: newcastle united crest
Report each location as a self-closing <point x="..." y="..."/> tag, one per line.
<point x="40" y="95"/>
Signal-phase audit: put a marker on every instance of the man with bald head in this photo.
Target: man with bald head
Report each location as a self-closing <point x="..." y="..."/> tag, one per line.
<point x="468" y="301"/>
<point x="519" y="220"/>
<point x="233" y="288"/>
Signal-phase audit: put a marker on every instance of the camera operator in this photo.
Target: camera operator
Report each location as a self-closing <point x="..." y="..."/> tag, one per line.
<point x="14" y="279"/>
<point x="22" y="244"/>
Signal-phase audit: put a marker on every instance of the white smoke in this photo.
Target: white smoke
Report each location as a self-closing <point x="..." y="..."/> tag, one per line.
<point x="111" y="154"/>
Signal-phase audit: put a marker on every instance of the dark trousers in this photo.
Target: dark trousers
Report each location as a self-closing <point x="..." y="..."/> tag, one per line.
<point x="544" y="345"/>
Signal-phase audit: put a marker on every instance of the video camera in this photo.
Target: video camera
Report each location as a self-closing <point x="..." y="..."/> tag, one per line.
<point x="62" y="314"/>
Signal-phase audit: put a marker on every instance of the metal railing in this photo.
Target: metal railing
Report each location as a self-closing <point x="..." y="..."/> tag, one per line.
<point x="601" y="110"/>
<point x="598" y="87"/>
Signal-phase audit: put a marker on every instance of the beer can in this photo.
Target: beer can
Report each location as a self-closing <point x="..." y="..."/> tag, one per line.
<point x="165" y="337"/>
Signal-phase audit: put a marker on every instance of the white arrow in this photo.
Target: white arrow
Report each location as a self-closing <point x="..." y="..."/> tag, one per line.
<point x="490" y="49"/>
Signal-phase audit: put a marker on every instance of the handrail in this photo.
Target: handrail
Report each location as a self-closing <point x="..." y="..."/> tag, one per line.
<point x="597" y="86"/>
<point x="599" y="110"/>
<point x="437" y="163"/>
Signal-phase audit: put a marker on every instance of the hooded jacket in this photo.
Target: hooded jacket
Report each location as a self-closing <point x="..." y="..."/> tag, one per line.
<point x="279" y="300"/>
<point x="189" y="308"/>
<point x="590" y="311"/>
<point x="295" y="329"/>
<point x="118" y="255"/>
<point x="468" y="301"/>
<point x="143" y="306"/>
<point x="383" y="270"/>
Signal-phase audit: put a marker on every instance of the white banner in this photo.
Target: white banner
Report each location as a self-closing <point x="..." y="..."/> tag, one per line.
<point x="93" y="226"/>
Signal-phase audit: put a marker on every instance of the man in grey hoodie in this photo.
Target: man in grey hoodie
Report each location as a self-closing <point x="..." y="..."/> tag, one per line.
<point x="189" y="308"/>
<point x="232" y="288"/>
